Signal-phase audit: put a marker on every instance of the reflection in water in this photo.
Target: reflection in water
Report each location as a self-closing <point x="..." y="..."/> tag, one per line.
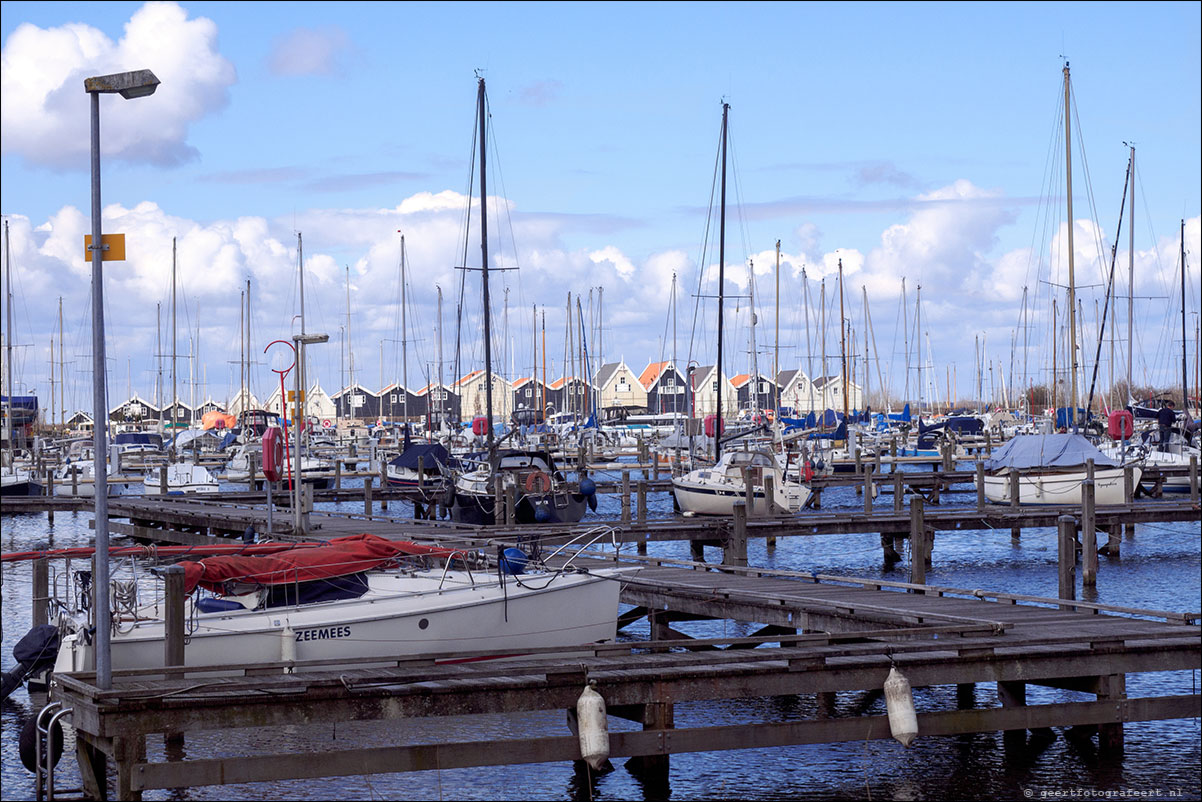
<point x="1159" y="570"/>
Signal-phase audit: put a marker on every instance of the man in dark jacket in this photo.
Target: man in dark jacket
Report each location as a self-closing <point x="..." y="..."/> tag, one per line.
<point x="1166" y="417"/>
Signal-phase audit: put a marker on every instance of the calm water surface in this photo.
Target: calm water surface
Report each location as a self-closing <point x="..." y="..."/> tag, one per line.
<point x="1159" y="569"/>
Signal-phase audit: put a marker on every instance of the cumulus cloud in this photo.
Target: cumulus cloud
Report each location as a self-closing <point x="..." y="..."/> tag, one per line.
<point x="309" y="51"/>
<point x="45" y="112"/>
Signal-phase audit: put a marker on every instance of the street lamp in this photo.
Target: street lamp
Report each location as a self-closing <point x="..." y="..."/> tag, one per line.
<point x="300" y="341"/>
<point x="139" y="83"/>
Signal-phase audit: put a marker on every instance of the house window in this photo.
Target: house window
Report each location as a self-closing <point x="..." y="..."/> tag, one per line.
<point x="357" y="401"/>
<point x="392" y="398"/>
<point x="528" y="393"/>
<point x="763" y="387"/>
<point x="714" y="389"/>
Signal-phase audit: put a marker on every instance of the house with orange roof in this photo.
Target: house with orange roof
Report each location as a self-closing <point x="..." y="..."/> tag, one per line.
<point x="759" y="393"/>
<point x="435" y="401"/>
<point x="528" y="394"/>
<point x="569" y="394"/>
<point x="397" y="402"/>
<point x="705" y="393"/>
<point x="666" y="388"/>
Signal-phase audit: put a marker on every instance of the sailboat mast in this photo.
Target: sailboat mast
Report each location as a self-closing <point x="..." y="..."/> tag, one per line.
<point x="62" y="366"/>
<point x="1130" y="282"/>
<point x="1072" y="286"/>
<point x="918" y="342"/>
<point x="805" y="289"/>
<point x="174" y="371"/>
<point x="404" y="335"/>
<point x="842" y="342"/>
<point x="1184" y="363"/>
<point x="440" y="391"/>
<point x="480" y="102"/>
<point x="8" y="345"/>
<point x="721" y="283"/>
<point x="776" y="346"/>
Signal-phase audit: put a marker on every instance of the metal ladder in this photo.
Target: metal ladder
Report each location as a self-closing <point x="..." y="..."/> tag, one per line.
<point x="44" y="760"/>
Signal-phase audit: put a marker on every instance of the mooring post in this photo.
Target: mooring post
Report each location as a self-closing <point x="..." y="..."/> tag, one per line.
<point x="641" y="499"/>
<point x="1013" y="694"/>
<point x="868" y="491"/>
<point x="383" y="485"/>
<point x="1089" y="532"/>
<point x="734" y="551"/>
<point x="988" y="444"/>
<point x="893" y="450"/>
<point x="338" y="474"/>
<point x="252" y="463"/>
<point x="41" y="591"/>
<point x="898" y="492"/>
<point x="1128" y="484"/>
<point x="918" y="543"/>
<point x="368" y="481"/>
<point x="859" y="469"/>
<point x="50" y="494"/>
<point x="75" y="481"/>
<point x="173" y="628"/>
<point x="511" y="505"/>
<point x="980" y="468"/>
<point x="770" y="502"/>
<point x="748" y="492"/>
<point x="1067" y="559"/>
<point x="498" y="501"/>
<point x="1014" y="488"/>
<point x="626" y="497"/>
<point x="1193" y="478"/>
<point x="163" y="479"/>
<point x="1111" y="688"/>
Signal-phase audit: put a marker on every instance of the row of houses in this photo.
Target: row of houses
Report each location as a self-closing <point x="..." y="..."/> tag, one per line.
<point x="662" y="387"/>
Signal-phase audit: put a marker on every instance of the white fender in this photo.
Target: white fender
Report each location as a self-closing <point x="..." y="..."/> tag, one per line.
<point x="288" y="645"/>
<point x="899" y="701"/>
<point x="594" y="728"/>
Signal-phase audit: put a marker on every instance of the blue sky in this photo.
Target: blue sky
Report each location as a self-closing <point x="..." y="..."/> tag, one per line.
<point x="914" y="140"/>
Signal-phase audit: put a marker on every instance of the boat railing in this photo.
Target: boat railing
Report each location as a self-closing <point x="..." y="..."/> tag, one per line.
<point x="583" y="541"/>
<point x="45" y="758"/>
<point x="463" y="556"/>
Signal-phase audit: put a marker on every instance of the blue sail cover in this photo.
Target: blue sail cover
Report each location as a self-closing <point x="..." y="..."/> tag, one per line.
<point x="431" y="454"/>
<point x="1047" y="451"/>
<point x="24" y="408"/>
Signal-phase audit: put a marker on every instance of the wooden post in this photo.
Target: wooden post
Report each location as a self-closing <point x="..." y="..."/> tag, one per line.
<point x="859" y="469"/>
<point x="41" y="591"/>
<point x="980" y="486"/>
<point x="337" y="474"/>
<point x="1013" y="694"/>
<point x="641" y="508"/>
<point x="1193" y="478"/>
<point x="421" y="475"/>
<point x="498" y="501"/>
<point x="893" y="451"/>
<point x="253" y="466"/>
<point x="626" y="497"/>
<point x="511" y="505"/>
<point x="988" y="443"/>
<point x="173" y="616"/>
<point x="1014" y="488"/>
<point x="163" y="479"/>
<point x="1128" y="484"/>
<point x="50" y="494"/>
<point x="770" y="498"/>
<point x="383" y="485"/>
<point x="918" y="542"/>
<point x="735" y="549"/>
<point x="1089" y="535"/>
<point x="75" y="481"/>
<point x="748" y="492"/>
<point x="898" y="490"/>
<point x="868" y="491"/>
<point x="1111" y="688"/>
<point x="1067" y="559"/>
<point x="368" y="481"/>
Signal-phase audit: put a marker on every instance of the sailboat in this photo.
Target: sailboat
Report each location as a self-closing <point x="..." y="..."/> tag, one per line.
<point x="542" y="492"/>
<point x="715" y="490"/>
<point x="13" y="480"/>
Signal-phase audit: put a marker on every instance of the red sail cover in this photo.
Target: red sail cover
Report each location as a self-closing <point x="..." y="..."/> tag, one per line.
<point x="341" y="556"/>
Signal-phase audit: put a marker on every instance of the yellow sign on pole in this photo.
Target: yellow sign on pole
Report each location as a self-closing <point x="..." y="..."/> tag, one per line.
<point x="292" y="395"/>
<point x="112" y="247"/>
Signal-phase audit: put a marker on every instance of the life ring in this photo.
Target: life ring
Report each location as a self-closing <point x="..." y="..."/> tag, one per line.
<point x="325" y="424"/>
<point x="807" y="470"/>
<point x="541" y="479"/>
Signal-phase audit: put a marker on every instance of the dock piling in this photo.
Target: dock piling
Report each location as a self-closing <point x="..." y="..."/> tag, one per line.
<point x="1089" y="533"/>
<point x="367" y="483"/>
<point x="918" y="543"/>
<point x="734" y="550"/>
<point x="41" y="591"/>
<point x="1067" y="559"/>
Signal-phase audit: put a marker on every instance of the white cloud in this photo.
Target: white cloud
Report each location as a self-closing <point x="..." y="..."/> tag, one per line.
<point x="616" y="258"/>
<point x="309" y="51"/>
<point x="45" y="113"/>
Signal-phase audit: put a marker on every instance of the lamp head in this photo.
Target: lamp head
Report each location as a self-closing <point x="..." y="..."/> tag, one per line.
<point x="138" y="83"/>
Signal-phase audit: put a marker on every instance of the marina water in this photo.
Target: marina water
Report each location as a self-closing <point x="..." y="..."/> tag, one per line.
<point x="1159" y="569"/>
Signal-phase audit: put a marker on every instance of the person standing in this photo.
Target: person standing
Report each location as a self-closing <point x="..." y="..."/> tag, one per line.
<point x="1166" y="417"/>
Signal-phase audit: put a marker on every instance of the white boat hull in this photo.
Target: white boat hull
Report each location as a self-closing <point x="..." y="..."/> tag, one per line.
<point x="1058" y="488"/>
<point x="388" y="622"/>
<point x="714" y="498"/>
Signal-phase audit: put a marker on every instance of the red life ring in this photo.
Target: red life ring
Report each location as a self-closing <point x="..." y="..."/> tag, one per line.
<point x="807" y="470"/>
<point x="325" y="424"/>
<point x="540" y="478"/>
<point x="273" y="454"/>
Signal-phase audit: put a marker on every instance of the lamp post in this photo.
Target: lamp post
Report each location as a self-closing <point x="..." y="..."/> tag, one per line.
<point x="300" y="341"/>
<point x="129" y="85"/>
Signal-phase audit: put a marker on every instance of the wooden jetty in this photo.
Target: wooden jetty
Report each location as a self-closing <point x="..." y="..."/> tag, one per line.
<point x="821" y="636"/>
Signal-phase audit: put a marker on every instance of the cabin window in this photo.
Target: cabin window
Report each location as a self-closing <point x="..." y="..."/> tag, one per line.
<point x="392" y="399"/>
<point x="714" y="388"/>
<point x="357" y="401"/>
<point x="763" y="387"/>
<point x="528" y="393"/>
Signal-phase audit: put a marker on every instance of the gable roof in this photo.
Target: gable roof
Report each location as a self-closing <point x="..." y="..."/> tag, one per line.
<point x="652" y="372"/>
<point x="786" y="377"/>
<point x="606" y="372"/>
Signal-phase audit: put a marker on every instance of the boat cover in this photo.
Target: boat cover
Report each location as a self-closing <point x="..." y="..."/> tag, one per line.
<point x="1047" y="451"/>
<point x="340" y="557"/>
<point x="431" y="455"/>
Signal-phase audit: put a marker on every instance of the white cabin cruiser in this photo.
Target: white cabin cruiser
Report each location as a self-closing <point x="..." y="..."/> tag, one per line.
<point x="715" y="490"/>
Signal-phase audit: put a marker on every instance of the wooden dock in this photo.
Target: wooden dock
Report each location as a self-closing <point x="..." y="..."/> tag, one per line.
<point x="821" y="636"/>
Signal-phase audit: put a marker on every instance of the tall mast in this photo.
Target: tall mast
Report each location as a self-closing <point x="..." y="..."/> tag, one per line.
<point x="721" y="283"/>
<point x="1072" y="287"/>
<point x="842" y="341"/>
<point x="906" y="336"/>
<point x="404" y="335"/>
<point x="174" y="371"/>
<point x="350" y="353"/>
<point x="241" y="344"/>
<point x="543" y="388"/>
<point x="480" y="102"/>
<point x="440" y="391"/>
<point x="1184" y="363"/>
<point x="918" y="341"/>
<point x="754" y="395"/>
<point x="62" y="366"/>
<point x="1130" y="282"/>
<point x="158" y="352"/>
<point x="805" y="290"/>
<point x="8" y="346"/>
<point x="822" y="339"/>
<point x="776" y="346"/>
